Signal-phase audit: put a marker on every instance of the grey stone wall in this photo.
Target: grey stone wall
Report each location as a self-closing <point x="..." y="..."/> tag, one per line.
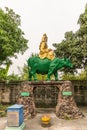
<point x="43" y="96"/>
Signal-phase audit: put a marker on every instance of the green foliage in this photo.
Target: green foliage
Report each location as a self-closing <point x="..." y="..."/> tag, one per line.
<point x="12" y="39"/>
<point x="82" y="37"/>
<point x="82" y="75"/>
<point x="13" y="77"/>
<point x="23" y="72"/>
<point x="41" y="77"/>
<point x="69" y="76"/>
<point x="4" y="71"/>
<point x="3" y="109"/>
<point x="75" y="45"/>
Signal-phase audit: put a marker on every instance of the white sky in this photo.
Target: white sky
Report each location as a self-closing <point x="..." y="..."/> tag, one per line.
<point x="53" y="17"/>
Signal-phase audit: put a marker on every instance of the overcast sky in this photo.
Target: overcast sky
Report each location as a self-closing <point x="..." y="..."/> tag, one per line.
<point x="53" y="17"/>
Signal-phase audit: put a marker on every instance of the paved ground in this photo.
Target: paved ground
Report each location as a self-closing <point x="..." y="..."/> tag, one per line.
<point x="56" y="124"/>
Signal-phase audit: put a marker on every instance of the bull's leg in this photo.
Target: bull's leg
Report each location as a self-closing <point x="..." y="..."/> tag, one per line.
<point x="56" y="75"/>
<point x="34" y="76"/>
<point x="48" y="76"/>
<point x="34" y="68"/>
<point x="30" y="76"/>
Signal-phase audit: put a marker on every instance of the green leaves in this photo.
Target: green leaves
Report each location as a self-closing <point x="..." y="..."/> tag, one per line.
<point x="12" y="39"/>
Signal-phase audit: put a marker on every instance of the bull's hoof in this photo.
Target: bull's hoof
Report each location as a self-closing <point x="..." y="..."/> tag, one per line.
<point x="29" y="79"/>
<point x="35" y="80"/>
<point x="47" y="79"/>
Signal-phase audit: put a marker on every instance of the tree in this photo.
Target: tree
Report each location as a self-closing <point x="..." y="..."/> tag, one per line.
<point x="67" y="49"/>
<point x="82" y="37"/>
<point x="12" y="39"/>
<point x="75" y="44"/>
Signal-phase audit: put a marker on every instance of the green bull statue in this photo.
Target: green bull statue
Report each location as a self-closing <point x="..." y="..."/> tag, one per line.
<point x="46" y="66"/>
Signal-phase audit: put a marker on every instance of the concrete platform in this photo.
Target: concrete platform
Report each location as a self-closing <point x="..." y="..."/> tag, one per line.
<point x="56" y="123"/>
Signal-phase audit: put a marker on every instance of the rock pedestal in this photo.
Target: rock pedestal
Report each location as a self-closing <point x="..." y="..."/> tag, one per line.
<point x="66" y="107"/>
<point x="26" y="98"/>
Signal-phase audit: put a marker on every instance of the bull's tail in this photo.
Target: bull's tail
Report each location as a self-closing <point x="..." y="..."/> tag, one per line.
<point x="28" y="61"/>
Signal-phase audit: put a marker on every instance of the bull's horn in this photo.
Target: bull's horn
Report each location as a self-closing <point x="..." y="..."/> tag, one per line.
<point x="70" y="57"/>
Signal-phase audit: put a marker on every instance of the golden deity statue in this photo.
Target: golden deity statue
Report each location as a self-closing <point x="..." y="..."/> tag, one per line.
<point x="45" y="52"/>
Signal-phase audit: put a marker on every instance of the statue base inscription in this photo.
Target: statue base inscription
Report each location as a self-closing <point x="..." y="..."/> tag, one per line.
<point x="12" y="119"/>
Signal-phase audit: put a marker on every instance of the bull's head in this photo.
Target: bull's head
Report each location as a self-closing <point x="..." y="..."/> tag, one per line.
<point x="68" y="62"/>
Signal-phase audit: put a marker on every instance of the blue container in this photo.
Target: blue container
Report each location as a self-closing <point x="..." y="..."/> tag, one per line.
<point x="15" y="115"/>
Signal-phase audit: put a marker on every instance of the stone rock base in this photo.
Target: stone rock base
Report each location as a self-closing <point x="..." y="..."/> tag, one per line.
<point x="66" y="107"/>
<point x="27" y="100"/>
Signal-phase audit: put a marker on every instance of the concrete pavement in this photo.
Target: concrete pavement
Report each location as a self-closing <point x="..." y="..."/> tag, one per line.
<point x="56" y="123"/>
